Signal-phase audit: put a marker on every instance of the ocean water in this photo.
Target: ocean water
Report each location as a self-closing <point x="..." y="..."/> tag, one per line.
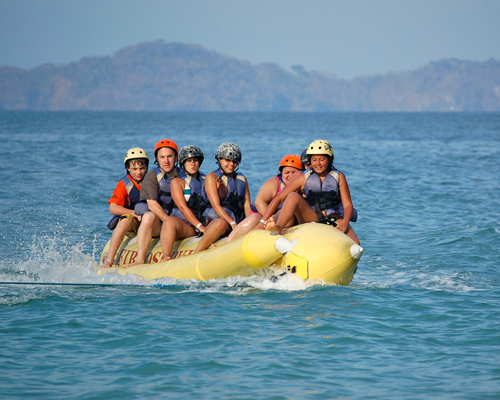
<point x="421" y="318"/>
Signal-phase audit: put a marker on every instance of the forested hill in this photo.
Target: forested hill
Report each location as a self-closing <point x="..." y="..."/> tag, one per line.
<point x="181" y="77"/>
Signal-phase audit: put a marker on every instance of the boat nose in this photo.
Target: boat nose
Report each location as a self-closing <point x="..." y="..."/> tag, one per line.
<point x="356" y="251"/>
<point x="283" y="245"/>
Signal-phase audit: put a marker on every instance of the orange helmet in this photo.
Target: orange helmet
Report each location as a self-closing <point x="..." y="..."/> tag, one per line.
<point x="166" y="143"/>
<point x="291" y="160"/>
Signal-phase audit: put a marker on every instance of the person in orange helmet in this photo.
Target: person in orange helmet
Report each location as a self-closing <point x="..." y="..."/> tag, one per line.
<point x="270" y="189"/>
<point x="289" y="165"/>
<point x="156" y="201"/>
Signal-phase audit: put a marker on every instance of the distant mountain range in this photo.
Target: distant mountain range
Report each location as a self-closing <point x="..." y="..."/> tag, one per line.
<point x="184" y="77"/>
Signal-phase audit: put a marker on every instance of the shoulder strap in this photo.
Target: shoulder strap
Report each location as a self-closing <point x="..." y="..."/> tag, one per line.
<point x="159" y="173"/>
<point x="307" y="173"/>
<point x="335" y="174"/>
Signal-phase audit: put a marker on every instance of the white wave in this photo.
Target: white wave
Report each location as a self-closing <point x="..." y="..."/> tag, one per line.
<point x="52" y="260"/>
<point x="376" y="275"/>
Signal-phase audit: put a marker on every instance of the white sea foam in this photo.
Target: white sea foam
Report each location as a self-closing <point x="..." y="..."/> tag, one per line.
<point x="52" y="260"/>
<point x="423" y="276"/>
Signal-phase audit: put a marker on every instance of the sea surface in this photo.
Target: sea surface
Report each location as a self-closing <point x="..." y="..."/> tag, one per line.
<point x="421" y="318"/>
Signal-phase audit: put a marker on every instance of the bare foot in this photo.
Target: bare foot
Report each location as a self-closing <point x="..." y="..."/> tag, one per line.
<point x="271" y="226"/>
<point x="132" y="264"/>
<point x="108" y="263"/>
<point x="165" y="258"/>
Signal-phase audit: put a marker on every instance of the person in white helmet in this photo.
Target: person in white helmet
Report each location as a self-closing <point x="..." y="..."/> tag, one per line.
<point x="155" y="203"/>
<point x="122" y="202"/>
<point x="327" y="196"/>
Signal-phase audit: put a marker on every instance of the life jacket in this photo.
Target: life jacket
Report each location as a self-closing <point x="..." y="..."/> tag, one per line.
<point x="193" y="193"/>
<point x="234" y="202"/>
<point x="326" y="194"/>
<point x="133" y="198"/>
<point x="165" y="195"/>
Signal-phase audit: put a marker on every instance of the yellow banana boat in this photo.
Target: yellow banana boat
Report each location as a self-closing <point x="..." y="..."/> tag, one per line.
<point x="311" y="251"/>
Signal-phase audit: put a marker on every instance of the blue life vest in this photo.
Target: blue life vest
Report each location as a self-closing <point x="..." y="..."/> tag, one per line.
<point x="234" y="202"/>
<point x="133" y="198"/>
<point x="194" y="200"/>
<point x="326" y="194"/>
<point x="165" y="196"/>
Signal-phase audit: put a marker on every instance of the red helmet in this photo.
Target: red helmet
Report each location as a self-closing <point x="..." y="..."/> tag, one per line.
<point x="291" y="160"/>
<point x="166" y="143"/>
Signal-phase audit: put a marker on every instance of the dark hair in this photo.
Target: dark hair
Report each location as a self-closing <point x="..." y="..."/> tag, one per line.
<point x="140" y="161"/>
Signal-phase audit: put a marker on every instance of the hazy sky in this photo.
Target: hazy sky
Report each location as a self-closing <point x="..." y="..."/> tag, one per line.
<point x="347" y="37"/>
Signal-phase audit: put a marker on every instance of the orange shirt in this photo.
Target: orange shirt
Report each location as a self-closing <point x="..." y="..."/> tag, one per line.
<point x="120" y="194"/>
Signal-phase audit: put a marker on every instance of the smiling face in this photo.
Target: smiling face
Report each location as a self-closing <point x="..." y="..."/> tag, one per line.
<point x="192" y="165"/>
<point x="320" y="163"/>
<point x="286" y="174"/>
<point x="228" y="166"/>
<point x="166" y="159"/>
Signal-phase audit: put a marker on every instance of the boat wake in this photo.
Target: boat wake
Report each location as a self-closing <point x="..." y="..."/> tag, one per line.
<point x="52" y="261"/>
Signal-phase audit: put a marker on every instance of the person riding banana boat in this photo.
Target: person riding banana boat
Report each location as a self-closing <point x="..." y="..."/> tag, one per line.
<point x="327" y="196"/>
<point x="289" y="164"/>
<point x="122" y="203"/>
<point x="304" y="161"/>
<point x="156" y="201"/>
<point x="228" y="194"/>
<point x="186" y="217"/>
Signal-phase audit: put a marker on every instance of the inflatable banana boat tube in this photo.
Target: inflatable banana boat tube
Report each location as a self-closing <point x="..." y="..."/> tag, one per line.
<point x="311" y="251"/>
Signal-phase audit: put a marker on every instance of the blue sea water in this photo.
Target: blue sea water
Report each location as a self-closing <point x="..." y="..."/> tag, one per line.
<point x="421" y="318"/>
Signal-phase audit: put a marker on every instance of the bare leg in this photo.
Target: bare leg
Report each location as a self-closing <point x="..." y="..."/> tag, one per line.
<point x="290" y="223"/>
<point x="150" y="225"/>
<point x="271" y="224"/>
<point x="350" y="232"/>
<point x="173" y="229"/>
<point x="295" y="205"/>
<point x="124" y="226"/>
<point x="245" y="226"/>
<point x="214" y="231"/>
<point x="344" y="226"/>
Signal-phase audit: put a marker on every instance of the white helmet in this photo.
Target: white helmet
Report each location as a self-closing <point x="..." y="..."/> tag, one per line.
<point x="135" y="152"/>
<point x="320" y="147"/>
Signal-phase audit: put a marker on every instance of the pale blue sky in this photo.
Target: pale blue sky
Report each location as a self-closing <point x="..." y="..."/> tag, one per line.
<point x="349" y="38"/>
